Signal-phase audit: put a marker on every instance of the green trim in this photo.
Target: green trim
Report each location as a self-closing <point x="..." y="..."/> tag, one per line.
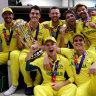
<point x="32" y="67"/>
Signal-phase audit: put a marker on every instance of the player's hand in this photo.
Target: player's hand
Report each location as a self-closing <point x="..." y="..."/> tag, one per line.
<point x="47" y="63"/>
<point x="92" y="25"/>
<point x="34" y="47"/>
<point x="17" y="35"/>
<point x="56" y="86"/>
<point x="46" y="26"/>
<point x="63" y="30"/>
<point x="92" y="69"/>
<point x="35" y="42"/>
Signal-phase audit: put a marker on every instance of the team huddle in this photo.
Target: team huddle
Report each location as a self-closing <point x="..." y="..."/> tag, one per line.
<point x="53" y="48"/>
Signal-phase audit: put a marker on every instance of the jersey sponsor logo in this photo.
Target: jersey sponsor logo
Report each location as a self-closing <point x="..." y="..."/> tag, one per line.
<point x="85" y="61"/>
<point x="58" y="73"/>
<point x="49" y="73"/>
<point x="60" y="66"/>
<point x="84" y="66"/>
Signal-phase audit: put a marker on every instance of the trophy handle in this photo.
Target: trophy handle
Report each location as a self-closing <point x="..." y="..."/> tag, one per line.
<point x="29" y="30"/>
<point x="23" y="42"/>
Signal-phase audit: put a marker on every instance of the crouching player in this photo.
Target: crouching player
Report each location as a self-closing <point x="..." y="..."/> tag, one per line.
<point x="54" y="83"/>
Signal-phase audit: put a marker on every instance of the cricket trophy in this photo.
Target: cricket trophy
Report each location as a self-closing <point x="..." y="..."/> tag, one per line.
<point x="25" y="30"/>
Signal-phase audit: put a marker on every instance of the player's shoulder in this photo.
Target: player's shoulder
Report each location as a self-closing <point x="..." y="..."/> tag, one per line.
<point x="62" y="57"/>
<point x="90" y="53"/>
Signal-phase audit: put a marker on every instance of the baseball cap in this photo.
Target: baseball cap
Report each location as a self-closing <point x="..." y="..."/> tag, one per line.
<point x="7" y="9"/>
<point x="79" y="5"/>
<point x="50" y="38"/>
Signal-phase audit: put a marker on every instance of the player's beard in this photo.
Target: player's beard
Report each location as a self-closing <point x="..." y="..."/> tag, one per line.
<point x="83" y="15"/>
<point x="8" y="21"/>
<point x="55" y="21"/>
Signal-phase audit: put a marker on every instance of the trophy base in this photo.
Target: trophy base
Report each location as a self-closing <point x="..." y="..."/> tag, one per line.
<point x="37" y="54"/>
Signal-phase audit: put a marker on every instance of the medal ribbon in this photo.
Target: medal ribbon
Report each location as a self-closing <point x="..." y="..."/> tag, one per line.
<point x="5" y="36"/>
<point x="52" y="32"/>
<point x="78" y="66"/>
<point x="37" y="30"/>
<point x="68" y="29"/>
<point x="55" y="71"/>
<point x="88" y="20"/>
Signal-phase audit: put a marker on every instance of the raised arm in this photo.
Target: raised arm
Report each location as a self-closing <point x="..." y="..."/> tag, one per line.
<point x="32" y="50"/>
<point x="62" y="31"/>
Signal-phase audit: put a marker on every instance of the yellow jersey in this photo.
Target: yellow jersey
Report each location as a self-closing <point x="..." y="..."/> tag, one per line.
<point x="87" y="31"/>
<point x="13" y="41"/>
<point x="55" y="30"/>
<point x="63" y="65"/>
<point x="41" y="34"/>
<point x="68" y="36"/>
<point x="83" y="76"/>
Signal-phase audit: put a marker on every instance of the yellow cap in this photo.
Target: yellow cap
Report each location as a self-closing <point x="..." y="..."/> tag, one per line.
<point x="79" y="5"/>
<point x="7" y="9"/>
<point x="50" y="38"/>
<point x="78" y="34"/>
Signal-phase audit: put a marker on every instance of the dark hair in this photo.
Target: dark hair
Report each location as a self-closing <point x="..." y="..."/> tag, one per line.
<point x="35" y="7"/>
<point x="54" y="7"/>
<point x="68" y="11"/>
<point x="80" y="36"/>
<point x="81" y="5"/>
